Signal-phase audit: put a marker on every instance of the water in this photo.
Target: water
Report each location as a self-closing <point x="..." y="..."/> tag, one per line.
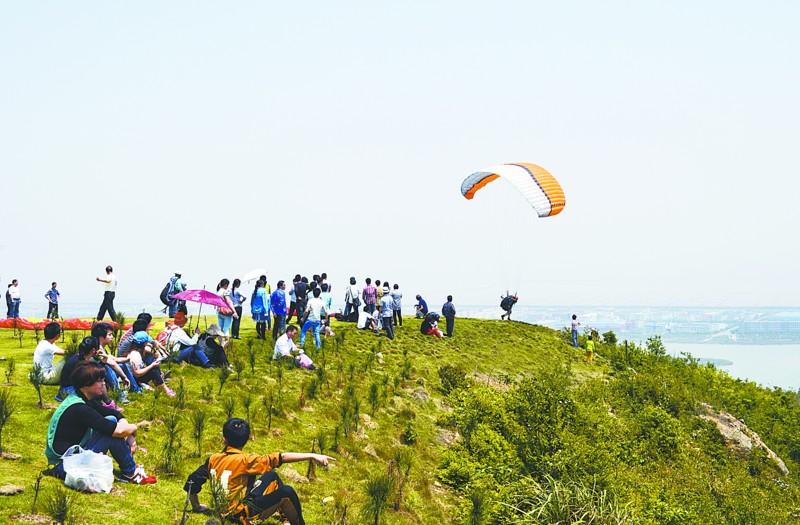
<point x="769" y="365"/>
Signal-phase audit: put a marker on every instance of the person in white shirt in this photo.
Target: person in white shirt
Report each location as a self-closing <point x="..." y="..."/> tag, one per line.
<point x="14" y="299"/>
<point x="315" y="310"/>
<point x="185" y="348"/>
<point x="352" y="300"/>
<point x="284" y="345"/>
<point x="109" y="292"/>
<point x="43" y="355"/>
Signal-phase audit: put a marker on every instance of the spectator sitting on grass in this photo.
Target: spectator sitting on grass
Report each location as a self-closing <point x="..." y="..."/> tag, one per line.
<point x="255" y="491"/>
<point x="81" y="420"/>
<point x="284" y="346"/>
<point x="44" y="353"/>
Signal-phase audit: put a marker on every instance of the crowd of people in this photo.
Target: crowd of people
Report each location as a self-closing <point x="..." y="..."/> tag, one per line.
<point x="95" y="380"/>
<point x="89" y="416"/>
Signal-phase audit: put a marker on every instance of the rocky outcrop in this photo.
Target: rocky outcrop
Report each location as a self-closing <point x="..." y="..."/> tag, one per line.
<point x="738" y="436"/>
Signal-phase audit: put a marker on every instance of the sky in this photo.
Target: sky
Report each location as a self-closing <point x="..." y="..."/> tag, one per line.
<point x="211" y="138"/>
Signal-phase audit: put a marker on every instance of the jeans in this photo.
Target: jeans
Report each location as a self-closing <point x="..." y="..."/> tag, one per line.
<point x="236" y="322"/>
<point x="13" y="313"/>
<point x="369" y="308"/>
<point x="111" y="378"/>
<point x="52" y="310"/>
<point x="101" y="444"/>
<point x="132" y="378"/>
<point x="176" y="306"/>
<point x="193" y="355"/>
<point x="225" y="322"/>
<point x="387" y="325"/>
<point x="311" y="325"/>
<point x="451" y="322"/>
<point x="279" y="326"/>
<point x="397" y="317"/>
<point x="575" y="338"/>
<point x="107" y="306"/>
<point x="292" y="310"/>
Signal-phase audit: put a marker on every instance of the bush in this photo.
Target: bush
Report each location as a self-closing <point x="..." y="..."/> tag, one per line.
<point x="452" y="378"/>
<point x="610" y="338"/>
<point x="660" y="433"/>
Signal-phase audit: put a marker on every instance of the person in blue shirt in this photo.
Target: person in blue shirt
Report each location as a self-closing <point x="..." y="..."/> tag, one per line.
<point x="422" y="307"/>
<point x="277" y="304"/>
<point x="176" y="286"/>
<point x="259" y="308"/>
<point x="52" y="302"/>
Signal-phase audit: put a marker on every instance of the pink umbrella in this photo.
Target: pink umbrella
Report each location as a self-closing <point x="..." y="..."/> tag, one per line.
<point x="202" y="297"/>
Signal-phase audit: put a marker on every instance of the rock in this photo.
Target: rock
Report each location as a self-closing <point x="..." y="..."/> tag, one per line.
<point x="370" y="451"/>
<point x="292" y="476"/>
<point x="327" y="500"/>
<point x="11" y="490"/>
<point x="367" y="421"/>
<point x="447" y="437"/>
<point x="738" y="436"/>
<point x="420" y="393"/>
<point x="31" y="518"/>
<point x="276" y="432"/>
<point x="10" y="456"/>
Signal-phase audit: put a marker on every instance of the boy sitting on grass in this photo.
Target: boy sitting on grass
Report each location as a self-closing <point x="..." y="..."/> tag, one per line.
<point x="253" y="488"/>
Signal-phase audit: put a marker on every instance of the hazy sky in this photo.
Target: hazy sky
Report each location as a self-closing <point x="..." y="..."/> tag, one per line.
<point x="333" y="136"/>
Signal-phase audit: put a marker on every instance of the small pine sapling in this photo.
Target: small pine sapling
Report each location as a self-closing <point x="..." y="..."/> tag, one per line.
<point x="199" y="419"/>
<point x="229" y="405"/>
<point x="7" y="407"/>
<point x="11" y="367"/>
<point x="223" y="375"/>
<point x="36" y="377"/>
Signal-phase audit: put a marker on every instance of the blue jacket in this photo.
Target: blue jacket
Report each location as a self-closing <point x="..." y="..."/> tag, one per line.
<point x="277" y="302"/>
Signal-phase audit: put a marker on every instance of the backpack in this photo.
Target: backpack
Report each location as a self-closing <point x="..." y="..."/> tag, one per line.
<point x="166" y="292"/>
<point x="506" y="303"/>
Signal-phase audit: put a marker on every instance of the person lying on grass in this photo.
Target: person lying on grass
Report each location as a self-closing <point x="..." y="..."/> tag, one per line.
<point x="254" y="489"/>
<point x="82" y="420"/>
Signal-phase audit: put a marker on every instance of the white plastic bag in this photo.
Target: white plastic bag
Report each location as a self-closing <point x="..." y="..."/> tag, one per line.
<point x="88" y="471"/>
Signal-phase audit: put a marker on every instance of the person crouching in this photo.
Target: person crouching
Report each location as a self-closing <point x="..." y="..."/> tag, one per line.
<point x="239" y="471"/>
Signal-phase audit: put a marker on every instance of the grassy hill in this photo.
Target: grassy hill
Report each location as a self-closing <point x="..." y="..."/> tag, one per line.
<point x="504" y="423"/>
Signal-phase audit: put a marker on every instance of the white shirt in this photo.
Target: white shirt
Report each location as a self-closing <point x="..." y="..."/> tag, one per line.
<point x="43" y="355"/>
<point x="179" y="336"/>
<point x="283" y="347"/>
<point x="110" y="286"/>
<point x="135" y="360"/>
<point x="315" y="308"/>
<point x="362" y="319"/>
<point x="575" y="324"/>
<point x="354" y="292"/>
<point x="13" y="291"/>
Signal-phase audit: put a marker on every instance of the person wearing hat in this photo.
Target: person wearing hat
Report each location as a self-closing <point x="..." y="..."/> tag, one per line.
<point x="210" y="342"/>
<point x="176" y="286"/>
<point x="141" y="349"/>
<point x="183" y="347"/>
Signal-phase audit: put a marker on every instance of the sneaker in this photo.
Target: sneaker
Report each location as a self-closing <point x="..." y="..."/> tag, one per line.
<point x="139" y="477"/>
<point x="123" y="397"/>
<point x="169" y="391"/>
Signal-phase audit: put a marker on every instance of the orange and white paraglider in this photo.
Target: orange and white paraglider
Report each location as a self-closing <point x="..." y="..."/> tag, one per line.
<point x="541" y="189"/>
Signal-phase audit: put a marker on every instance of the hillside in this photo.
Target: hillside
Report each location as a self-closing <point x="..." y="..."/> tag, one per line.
<point x="504" y="423"/>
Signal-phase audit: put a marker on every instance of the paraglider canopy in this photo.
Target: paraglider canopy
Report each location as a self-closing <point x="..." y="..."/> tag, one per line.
<point x="537" y="185"/>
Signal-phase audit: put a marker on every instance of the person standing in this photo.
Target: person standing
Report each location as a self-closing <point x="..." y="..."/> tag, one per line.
<point x="52" y="296"/>
<point x="314" y="312"/>
<point x="301" y="296"/>
<point x="387" y="312"/>
<point x="352" y="300"/>
<point x="259" y="309"/>
<point x="15" y="297"/>
<point x="292" y="301"/>
<point x="268" y="291"/>
<point x="237" y="299"/>
<point x="225" y="314"/>
<point x="397" y="305"/>
<point x="277" y="303"/>
<point x="109" y="293"/>
<point x="370" y="296"/>
<point x="176" y="286"/>
<point x="449" y="313"/>
<point x="8" y="302"/>
<point x="574" y="328"/>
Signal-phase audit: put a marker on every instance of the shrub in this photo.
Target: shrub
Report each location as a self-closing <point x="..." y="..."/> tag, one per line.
<point x="59" y="505"/>
<point x="660" y="433"/>
<point x="377" y="489"/>
<point x="409" y="434"/>
<point x="610" y="338"/>
<point x="452" y="378"/>
<point x="11" y="367"/>
<point x="6" y="410"/>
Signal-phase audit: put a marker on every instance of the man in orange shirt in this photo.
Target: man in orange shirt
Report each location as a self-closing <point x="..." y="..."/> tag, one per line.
<point x="253" y="487"/>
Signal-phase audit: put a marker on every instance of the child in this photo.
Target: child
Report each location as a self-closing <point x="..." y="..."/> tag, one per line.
<point x="589" y="349"/>
<point x="237" y="471"/>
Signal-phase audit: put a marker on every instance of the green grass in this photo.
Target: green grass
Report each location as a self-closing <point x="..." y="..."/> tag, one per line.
<point x="486" y="347"/>
<point x="603" y="442"/>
